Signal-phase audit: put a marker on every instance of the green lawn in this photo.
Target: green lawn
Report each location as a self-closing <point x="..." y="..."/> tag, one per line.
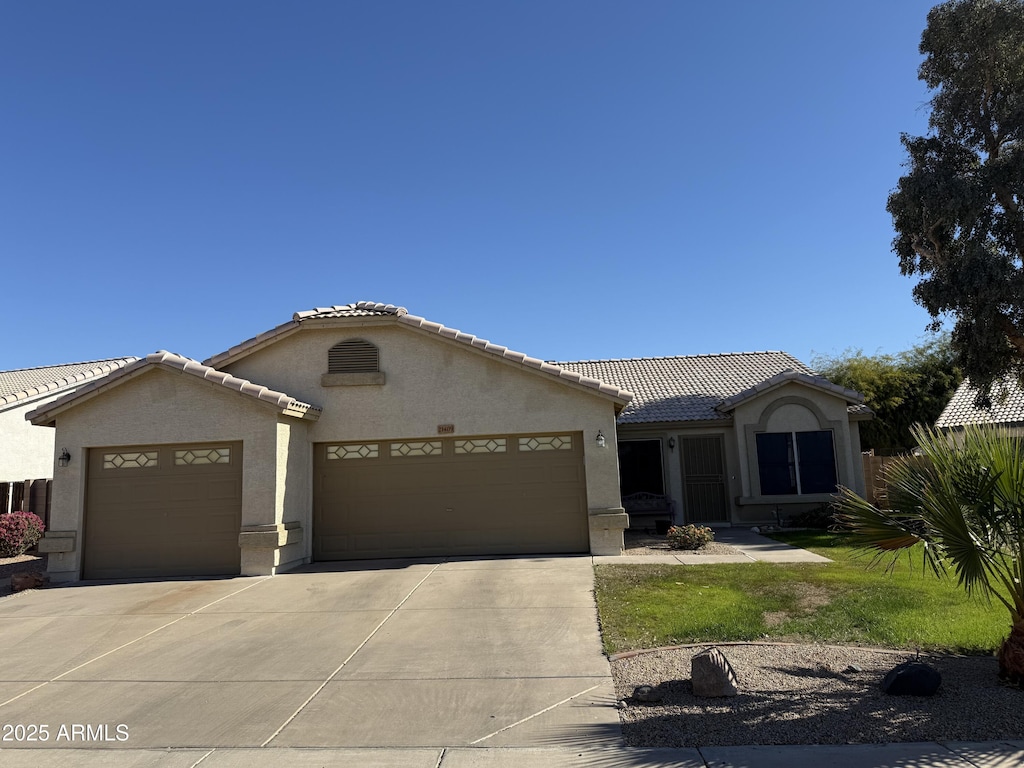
<point x="844" y="602"/>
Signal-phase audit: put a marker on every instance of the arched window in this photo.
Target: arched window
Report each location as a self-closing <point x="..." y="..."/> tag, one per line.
<point x="353" y="356"/>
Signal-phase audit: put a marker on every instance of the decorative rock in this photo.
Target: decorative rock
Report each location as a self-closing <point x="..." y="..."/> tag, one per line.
<point x="755" y="529"/>
<point x="646" y="693"/>
<point x="912" y="678"/>
<point x="712" y="674"/>
<point x="28" y="580"/>
<point x="854" y="668"/>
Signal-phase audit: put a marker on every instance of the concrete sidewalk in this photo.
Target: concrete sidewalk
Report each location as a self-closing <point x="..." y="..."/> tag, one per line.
<point x="995" y="754"/>
<point x="752" y="548"/>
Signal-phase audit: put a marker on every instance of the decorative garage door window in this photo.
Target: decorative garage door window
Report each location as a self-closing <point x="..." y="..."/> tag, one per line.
<point x="129" y="460"/>
<point x="550" y="443"/>
<point x="483" y="445"/>
<point x="354" y="451"/>
<point x="422" y="448"/>
<point x="202" y="456"/>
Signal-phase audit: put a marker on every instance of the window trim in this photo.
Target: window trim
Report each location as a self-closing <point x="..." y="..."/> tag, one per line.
<point x="841" y="445"/>
<point x="795" y="462"/>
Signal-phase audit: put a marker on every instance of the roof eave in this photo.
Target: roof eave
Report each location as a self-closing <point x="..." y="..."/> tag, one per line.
<point x="277" y="401"/>
<point x="620" y="397"/>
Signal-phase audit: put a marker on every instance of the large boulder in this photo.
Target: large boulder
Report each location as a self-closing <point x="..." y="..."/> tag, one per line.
<point x="912" y="678"/>
<point x="712" y="675"/>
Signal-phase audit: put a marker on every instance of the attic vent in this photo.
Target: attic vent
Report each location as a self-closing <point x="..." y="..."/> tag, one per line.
<point x="353" y="356"/>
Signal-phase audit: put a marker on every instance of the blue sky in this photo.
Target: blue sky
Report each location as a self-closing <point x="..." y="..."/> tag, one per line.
<point x="574" y="180"/>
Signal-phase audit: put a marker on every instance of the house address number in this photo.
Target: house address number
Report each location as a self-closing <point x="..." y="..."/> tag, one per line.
<point x="446" y="429"/>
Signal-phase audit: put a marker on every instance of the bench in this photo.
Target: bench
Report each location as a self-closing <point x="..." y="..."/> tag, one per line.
<point x="644" y="507"/>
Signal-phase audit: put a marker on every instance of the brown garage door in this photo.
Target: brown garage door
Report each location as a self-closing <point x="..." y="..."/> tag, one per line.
<point x="163" y="510"/>
<point x="503" y="494"/>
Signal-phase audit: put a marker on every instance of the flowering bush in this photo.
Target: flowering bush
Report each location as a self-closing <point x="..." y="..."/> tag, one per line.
<point x="689" y="536"/>
<point x="19" y="532"/>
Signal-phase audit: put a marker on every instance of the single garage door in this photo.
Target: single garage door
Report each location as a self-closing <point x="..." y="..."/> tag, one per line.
<point x="502" y="494"/>
<point x="163" y="510"/>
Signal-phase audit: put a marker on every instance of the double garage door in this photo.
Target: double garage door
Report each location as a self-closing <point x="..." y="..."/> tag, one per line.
<point x="166" y="510"/>
<point x="501" y="494"/>
<point x="176" y="510"/>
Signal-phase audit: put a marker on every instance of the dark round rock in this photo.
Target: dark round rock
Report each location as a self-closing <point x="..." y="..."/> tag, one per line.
<point x="912" y="678"/>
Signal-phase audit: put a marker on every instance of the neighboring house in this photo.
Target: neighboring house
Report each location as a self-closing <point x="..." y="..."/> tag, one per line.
<point x="733" y="438"/>
<point x="1007" y="407"/>
<point x="28" y="451"/>
<point x="349" y="432"/>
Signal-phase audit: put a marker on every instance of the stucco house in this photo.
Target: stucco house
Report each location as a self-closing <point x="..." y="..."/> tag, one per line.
<point x="733" y="438"/>
<point x="1007" y="407"/>
<point x="28" y="451"/>
<point x="362" y="431"/>
<point x="349" y="432"/>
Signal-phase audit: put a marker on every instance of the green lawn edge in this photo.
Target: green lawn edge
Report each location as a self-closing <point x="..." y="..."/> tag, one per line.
<point x="845" y="602"/>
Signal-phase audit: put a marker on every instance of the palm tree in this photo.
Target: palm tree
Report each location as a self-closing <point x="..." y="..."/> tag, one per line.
<point x="963" y="500"/>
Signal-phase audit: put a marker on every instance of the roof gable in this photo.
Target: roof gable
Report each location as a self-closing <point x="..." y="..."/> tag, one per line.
<point x="363" y="311"/>
<point x="819" y="383"/>
<point x="702" y="387"/>
<point x="24" y="384"/>
<point x="283" y="403"/>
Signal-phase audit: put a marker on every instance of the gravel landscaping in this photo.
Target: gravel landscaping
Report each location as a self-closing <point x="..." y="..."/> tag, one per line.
<point x="12" y="565"/>
<point x="812" y="694"/>
<point x="640" y="543"/>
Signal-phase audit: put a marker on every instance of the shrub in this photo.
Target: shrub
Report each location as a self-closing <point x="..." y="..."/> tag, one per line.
<point x="819" y="517"/>
<point x="689" y="536"/>
<point x="19" y="532"/>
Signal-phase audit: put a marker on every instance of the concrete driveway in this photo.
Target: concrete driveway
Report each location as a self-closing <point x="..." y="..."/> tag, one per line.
<point x="481" y="653"/>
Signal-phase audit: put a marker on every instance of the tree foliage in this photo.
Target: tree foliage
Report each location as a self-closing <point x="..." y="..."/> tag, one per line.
<point x="905" y="389"/>
<point x="958" y="210"/>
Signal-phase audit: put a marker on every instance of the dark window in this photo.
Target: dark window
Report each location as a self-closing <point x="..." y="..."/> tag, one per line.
<point x="640" y="467"/>
<point x="796" y="462"/>
<point x="353" y="356"/>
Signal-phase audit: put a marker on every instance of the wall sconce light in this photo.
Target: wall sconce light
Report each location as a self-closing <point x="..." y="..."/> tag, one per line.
<point x="601" y="442"/>
<point x="64" y="459"/>
<point x="671" y="443"/>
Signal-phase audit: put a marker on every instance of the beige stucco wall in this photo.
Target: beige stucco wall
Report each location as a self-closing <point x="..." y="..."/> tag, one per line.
<point x="26" y="451"/>
<point x="672" y="458"/>
<point x="793" y="407"/>
<point x="160" y="406"/>
<point x="430" y="381"/>
<point x="789" y="408"/>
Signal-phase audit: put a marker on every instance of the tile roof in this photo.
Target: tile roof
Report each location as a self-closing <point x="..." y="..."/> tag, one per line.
<point x="26" y="383"/>
<point x="402" y="316"/>
<point x="359" y="309"/>
<point x="284" y="403"/>
<point x="810" y="380"/>
<point x="1007" y="406"/>
<point x="702" y="387"/>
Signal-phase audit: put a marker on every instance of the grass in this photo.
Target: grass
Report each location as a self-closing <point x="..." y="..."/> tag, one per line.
<point x="845" y="602"/>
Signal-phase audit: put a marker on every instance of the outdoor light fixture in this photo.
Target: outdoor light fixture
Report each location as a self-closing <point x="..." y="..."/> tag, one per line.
<point x="600" y="439"/>
<point x="671" y="443"/>
<point x="64" y="459"/>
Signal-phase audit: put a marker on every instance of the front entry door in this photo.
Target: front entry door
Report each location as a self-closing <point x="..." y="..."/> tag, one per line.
<point x="704" y="486"/>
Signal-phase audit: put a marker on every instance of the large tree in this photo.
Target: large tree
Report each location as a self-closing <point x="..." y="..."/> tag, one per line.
<point x="909" y="388"/>
<point x="958" y="210"/>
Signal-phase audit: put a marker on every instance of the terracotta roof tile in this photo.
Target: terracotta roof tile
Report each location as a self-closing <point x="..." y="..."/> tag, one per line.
<point x="696" y="387"/>
<point x="26" y="383"/>
<point x="1007" y="406"/>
